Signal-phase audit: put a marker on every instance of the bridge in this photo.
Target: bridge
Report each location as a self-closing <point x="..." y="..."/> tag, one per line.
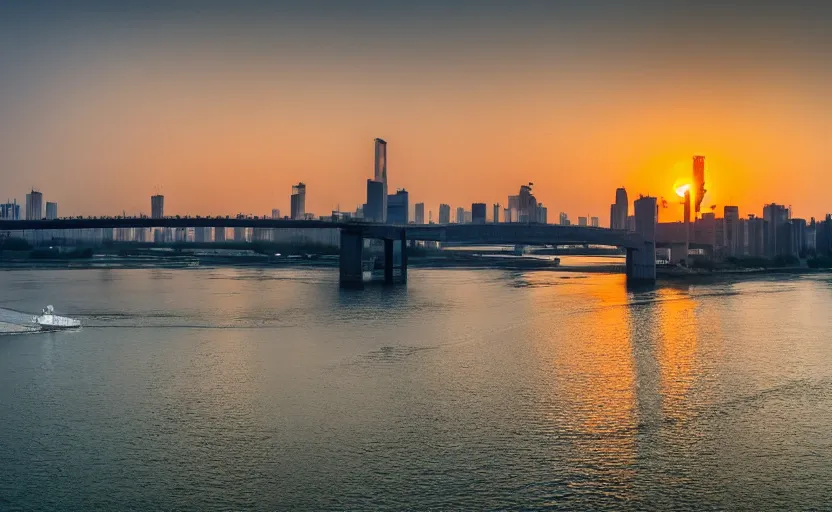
<point x="640" y="248"/>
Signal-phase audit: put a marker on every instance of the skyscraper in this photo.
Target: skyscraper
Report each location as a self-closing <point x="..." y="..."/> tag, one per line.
<point x="799" y="242"/>
<point x="698" y="182"/>
<point x="778" y="241"/>
<point x="376" y="200"/>
<point x="541" y="214"/>
<point x="157" y="206"/>
<point x="733" y="240"/>
<point x="563" y="220"/>
<point x="478" y="213"/>
<point x="275" y="213"/>
<point x="380" y="173"/>
<point x="496" y="218"/>
<point x="10" y="210"/>
<point x="460" y="215"/>
<point x="444" y="214"/>
<point x="201" y="235"/>
<point x="528" y="205"/>
<point x="51" y="211"/>
<point x="398" y="208"/>
<point x="619" y="211"/>
<point x="595" y="222"/>
<point x="420" y="213"/>
<point x="298" y="201"/>
<point x="582" y="221"/>
<point x="513" y="210"/>
<point x="757" y="236"/>
<point x="34" y="206"/>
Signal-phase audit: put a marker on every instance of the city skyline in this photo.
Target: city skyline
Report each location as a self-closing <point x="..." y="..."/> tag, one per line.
<point x="224" y="109"/>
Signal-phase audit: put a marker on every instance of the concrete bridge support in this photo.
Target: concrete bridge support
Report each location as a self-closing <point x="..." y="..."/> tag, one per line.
<point x="641" y="262"/>
<point x="352" y="251"/>
<point x="351" y="259"/>
<point x="395" y="258"/>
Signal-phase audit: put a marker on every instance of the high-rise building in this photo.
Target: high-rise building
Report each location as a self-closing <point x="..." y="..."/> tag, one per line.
<point x="582" y="221"/>
<point x="698" y="182"/>
<point x="478" y="213"/>
<point x="398" y="208"/>
<point x="51" y="211"/>
<point x="460" y="215"/>
<point x="419" y="213"/>
<point x="528" y="205"/>
<point x="201" y="235"/>
<point x="541" y="214"/>
<point x="496" y="218"/>
<point x="275" y="213"/>
<point x="799" y="243"/>
<point x="811" y="236"/>
<point x="376" y="199"/>
<point x="757" y="236"/>
<point x="157" y="206"/>
<point x="595" y="222"/>
<point x="10" y="210"/>
<point x="469" y="218"/>
<point x="731" y="219"/>
<point x="444" y="214"/>
<point x="707" y="232"/>
<point x="34" y="206"/>
<point x="779" y="239"/>
<point x="513" y="210"/>
<point x="380" y="173"/>
<point x="298" y="201"/>
<point x="823" y="236"/>
<point x="563" y="219"/>
<point x="620" y="210"/>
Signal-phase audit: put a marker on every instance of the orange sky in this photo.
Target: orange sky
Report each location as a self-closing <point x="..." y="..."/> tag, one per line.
<point x="227" y="127"/>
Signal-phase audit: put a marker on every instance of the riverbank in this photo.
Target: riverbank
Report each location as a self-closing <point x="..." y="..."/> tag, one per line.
<point x="187" y="261"/>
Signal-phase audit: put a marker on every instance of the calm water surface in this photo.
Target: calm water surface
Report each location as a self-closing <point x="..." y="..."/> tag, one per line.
<point x="228" y="389"/>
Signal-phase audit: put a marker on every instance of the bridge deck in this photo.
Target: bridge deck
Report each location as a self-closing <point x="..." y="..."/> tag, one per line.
<point x="508" y="233"/>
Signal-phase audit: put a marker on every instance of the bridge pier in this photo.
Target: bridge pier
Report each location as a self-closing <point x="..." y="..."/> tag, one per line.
<point x="388" y="261"/>
<point x="352" y="251"/>
<point x="641" y="261"/>
<point x="641" y="264"/>
<point x="404" y="257"/>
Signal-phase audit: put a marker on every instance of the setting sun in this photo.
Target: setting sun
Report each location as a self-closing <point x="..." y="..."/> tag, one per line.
<point x="682" y="190"/>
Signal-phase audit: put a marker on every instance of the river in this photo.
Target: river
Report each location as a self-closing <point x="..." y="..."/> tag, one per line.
<point x="247" y="389"/>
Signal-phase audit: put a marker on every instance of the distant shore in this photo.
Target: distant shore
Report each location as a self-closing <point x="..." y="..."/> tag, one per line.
<point x="442" y="261"/>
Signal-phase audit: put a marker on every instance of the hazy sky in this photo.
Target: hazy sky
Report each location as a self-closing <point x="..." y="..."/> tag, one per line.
<point x="222" y="106"/>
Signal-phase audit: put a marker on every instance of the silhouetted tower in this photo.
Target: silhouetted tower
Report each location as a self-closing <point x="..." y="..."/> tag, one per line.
<point x="698" y="182"/>
<point x="380" y="173"/>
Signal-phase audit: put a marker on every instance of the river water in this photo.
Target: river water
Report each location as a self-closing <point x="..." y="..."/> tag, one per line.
<point x="241" y="389"/>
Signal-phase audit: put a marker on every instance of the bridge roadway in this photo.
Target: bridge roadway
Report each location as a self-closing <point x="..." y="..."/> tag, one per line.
<point x="508" y="234"/>
<point x="353" y="233"/>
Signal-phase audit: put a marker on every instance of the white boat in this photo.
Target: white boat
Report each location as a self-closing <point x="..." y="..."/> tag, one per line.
<point x="49" y="321"/>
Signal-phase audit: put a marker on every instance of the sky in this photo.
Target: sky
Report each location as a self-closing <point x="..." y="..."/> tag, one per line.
<point x="223" y="106"/>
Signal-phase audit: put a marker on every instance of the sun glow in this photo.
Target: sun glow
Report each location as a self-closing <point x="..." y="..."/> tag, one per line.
<point x="680" y="191"/>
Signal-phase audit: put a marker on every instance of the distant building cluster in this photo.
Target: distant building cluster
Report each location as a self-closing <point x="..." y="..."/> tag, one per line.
<point x="33" y="209"/>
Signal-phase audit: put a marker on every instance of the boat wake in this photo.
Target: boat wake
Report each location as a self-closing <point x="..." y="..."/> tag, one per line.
<point x="16" y="322"/>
